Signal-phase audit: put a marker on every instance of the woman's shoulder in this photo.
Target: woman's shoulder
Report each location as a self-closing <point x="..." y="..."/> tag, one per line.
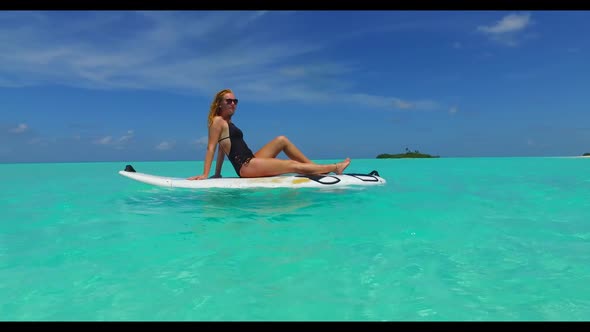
<point x="218" y="120"/>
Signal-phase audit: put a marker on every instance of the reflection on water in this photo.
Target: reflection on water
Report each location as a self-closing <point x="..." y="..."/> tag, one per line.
<point x="221" y="205"/>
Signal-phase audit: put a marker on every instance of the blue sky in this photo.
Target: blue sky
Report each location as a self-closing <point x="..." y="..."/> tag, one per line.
<point x="125" y="86"/>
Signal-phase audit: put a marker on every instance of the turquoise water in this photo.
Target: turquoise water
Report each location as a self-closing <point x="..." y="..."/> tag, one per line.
<point x="445" y="239"/>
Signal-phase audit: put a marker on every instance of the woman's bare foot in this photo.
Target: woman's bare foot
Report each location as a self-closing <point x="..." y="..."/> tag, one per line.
<point x="341" y="166"/>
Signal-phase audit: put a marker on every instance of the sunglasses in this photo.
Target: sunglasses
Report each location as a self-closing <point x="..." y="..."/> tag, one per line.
<point x="229" y="101"/>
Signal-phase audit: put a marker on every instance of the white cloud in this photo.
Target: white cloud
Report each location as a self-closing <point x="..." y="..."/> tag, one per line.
<point x="509" y="23"/>
<point x="201" y="142"/>
<point x="155" y="58"/>
<point x="426" y="105"/>
<point x="104" y="141"/>
<point x="165" y="145"/>
<point x="127" y="137"/>
<point x="506" y="30"/>
<point x="117" y="143"/>
<point x="249" y="19"/>
<point x="179" y="52"/>
<point x="21" y="128"/>
<point x="398" y="103"/>
<point x="453" y="110"/>
<point x="316" y="70"/>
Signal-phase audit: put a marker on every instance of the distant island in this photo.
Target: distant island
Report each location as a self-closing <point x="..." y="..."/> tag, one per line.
<point x="587" y="154"/>
<point x="408" y="154"/>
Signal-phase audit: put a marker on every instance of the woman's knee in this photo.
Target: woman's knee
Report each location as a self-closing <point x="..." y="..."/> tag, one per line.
<point x="282" y="139"/>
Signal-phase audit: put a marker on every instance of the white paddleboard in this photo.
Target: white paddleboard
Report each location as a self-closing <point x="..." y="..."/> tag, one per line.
<point x="281" y="181"/>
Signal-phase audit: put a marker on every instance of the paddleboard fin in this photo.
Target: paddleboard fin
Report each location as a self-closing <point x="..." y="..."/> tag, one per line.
<point x="129" y="168"/>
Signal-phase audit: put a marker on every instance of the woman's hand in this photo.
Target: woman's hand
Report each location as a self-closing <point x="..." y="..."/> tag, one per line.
<point x="198" y="177"/>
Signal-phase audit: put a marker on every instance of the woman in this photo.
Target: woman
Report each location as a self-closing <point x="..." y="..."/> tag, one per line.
<point x="224" y="132"/>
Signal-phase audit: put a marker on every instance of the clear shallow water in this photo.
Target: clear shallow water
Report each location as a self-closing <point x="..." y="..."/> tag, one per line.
<point x="445" y="239"/>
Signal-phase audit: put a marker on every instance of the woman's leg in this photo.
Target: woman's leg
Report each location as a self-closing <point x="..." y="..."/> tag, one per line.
<point x="258" y="167"/>
<point x="282" y="143"/>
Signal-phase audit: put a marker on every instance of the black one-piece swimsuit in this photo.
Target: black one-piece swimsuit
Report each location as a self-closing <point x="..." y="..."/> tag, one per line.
<point x="239" y="153"/>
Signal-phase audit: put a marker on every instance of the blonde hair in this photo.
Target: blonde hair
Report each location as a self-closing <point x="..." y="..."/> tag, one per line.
<point x="215" y="105"/>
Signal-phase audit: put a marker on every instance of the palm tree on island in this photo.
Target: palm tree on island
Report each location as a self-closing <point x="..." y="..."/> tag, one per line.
<point x="408" y="154"/>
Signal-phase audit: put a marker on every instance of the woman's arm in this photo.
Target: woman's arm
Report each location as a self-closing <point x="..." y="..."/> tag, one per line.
<point x="220" y="158"/>
<point x="219" y="163"/>
<point x="214" y="132"/>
